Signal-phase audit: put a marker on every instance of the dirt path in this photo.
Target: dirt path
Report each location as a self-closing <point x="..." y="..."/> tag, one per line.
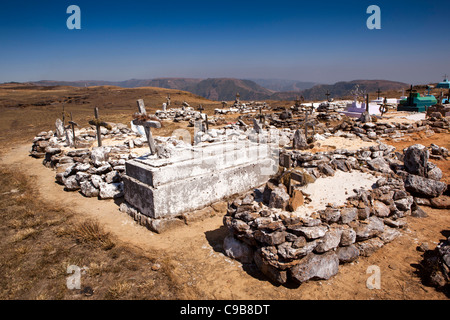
<point x="194" y="252"/>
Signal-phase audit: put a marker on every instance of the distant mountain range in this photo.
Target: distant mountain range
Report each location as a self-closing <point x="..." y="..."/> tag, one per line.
<point x="257" y="89"/>
<point x="281" y="85"/>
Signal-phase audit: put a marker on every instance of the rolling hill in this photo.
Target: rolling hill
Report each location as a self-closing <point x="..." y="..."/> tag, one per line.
<point x="281" y="85"/>
<point x="226" y="88"/>
<point x="341" y="89"/>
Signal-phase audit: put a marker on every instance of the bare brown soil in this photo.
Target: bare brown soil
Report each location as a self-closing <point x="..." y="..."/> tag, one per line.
<point x="44" y="229"/>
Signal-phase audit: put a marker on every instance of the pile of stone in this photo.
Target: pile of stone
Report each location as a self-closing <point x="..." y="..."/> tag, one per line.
<point x="422" y="178"/>
<point x="388" y="131"/>
<point x="266" y="229"/>
<point x="187" y="114"/>
<point x="328" y="111"/>
<point x="226" y="110"/>
<point x="179" y="114"/>
<point x="435" y="267"/>
<point x="46" y="142"/>
<point x="97" y="171"/>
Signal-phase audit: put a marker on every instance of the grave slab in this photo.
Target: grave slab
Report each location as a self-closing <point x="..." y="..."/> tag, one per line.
<point x="197" y="177"/>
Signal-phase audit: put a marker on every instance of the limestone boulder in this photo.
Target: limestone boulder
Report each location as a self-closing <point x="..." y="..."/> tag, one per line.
<point x="416" y="159"/>
<point x="424" y="187"/>
<point x="347" y="254"/>
<point x="237" y="250"/>
<point x="316" y="267"/>
<point x="110" y="190"/>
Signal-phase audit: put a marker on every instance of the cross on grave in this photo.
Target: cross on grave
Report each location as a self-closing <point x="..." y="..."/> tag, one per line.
<point x="411" y="90"/>
<point x="99" y="123"/>
<point x="168" y="100"/>
<point x="328" y="94"/>
<point x="367" y="103"/>
<point x="261" y="117"/>
<point x="143" y="120"/>
<point x="224" y="103"/>
<point x="378" y="93"/>
<point x="307" y="124"/>
<point x="73" y="125"/>
<point x="64" y="114"/>
<point x="200" y="108"/>
<point x="206" y="122"/>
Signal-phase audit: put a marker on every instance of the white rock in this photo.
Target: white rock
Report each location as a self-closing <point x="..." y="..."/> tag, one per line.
<point x="110" y="190"/>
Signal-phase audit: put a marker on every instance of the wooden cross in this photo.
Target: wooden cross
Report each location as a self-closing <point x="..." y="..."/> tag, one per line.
<point x="99" y="123"/>
<point x="200" y="108"/>
<point x="143" y="120"/>
<point x="224" y="103"/>
<point x="307" y="124"/>
<point x="206" y="122"/>
<point x="168" y="100"/>
<point x="64" y="114"/>
<point x="411" y="90"/>
<point x="367" y="102"/>
<point x="261" y="116"/>
<point x="73" y="124"/>
<point x="378" y="92"/>
<point x="328" y="94"/>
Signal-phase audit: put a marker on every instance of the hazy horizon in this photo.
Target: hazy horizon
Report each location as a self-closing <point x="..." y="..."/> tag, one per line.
<point x="251" y="79"/>
<point x="323" y="42"/>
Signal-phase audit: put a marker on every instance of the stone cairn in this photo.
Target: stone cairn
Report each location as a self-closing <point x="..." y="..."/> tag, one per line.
<point x="187" y="113"/>
<point x="435" y="267"/>
<point x="288" y="248"/>
<point x="94" y="172"/>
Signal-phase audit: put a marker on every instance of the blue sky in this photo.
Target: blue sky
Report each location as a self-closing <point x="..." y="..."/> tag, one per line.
<point x="320" y="41"/>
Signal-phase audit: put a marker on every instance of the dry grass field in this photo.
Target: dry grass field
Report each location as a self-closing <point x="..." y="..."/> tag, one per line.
<point x="43" y="229"/>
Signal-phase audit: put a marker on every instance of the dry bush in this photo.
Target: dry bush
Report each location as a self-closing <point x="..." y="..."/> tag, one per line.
<point x="90" y="232"/>
<point x="118" y="290"/>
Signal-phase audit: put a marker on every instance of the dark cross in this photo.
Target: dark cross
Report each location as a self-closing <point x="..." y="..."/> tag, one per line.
<point x="64" y="114"/>
<point x="378" y="92"/>
<point x="99" y="123"/>
<point x="410" y="99"/>
<point x="411" y="90"/>
<point x="328" y="94"/>
<point x="223" y="104"/>
<point x="445" y="77"/>
<point x="200" y="108"/>
<point x="261" y="116"/>
<point x="168" y="100"/>
<point x="142" y="120"/>
<point x="367" y="102"/>
<point x="73" y="125"/>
